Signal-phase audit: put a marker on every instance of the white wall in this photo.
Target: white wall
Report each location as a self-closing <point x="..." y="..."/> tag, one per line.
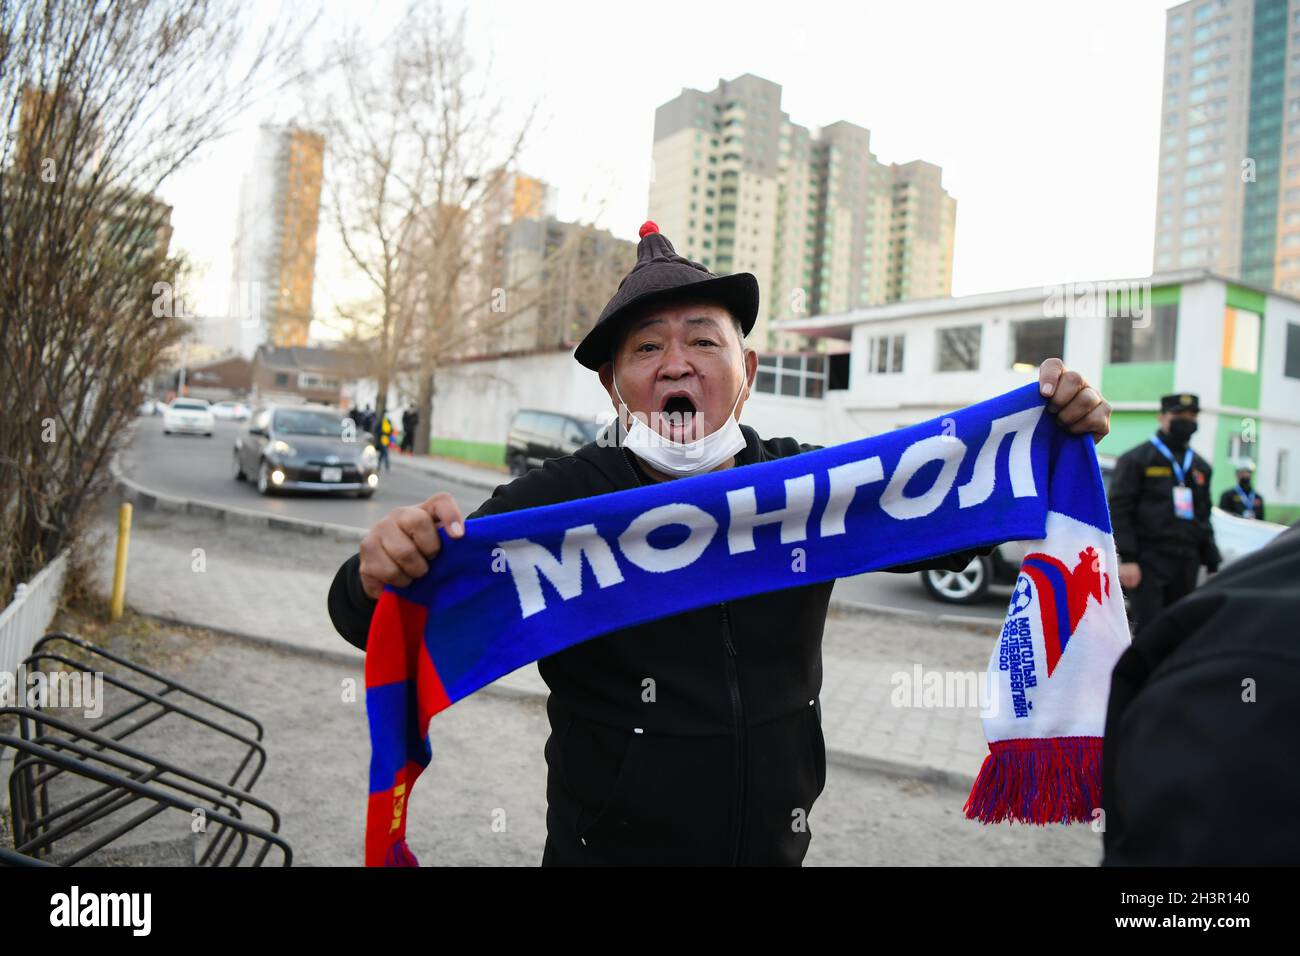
<point x="474" y="401"/>
<point x="1279" y="403"/>
<point x="1198" y="348"/>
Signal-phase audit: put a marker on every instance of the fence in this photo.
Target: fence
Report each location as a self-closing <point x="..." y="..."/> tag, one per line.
<point x="28" y="616"/>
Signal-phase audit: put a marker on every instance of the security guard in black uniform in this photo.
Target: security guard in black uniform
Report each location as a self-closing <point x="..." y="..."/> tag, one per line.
<point x="1243" y="500"/>
<point x="1160" y="510"/>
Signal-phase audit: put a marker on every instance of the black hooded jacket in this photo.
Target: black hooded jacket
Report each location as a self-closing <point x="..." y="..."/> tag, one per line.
<point x="692" y="739"/>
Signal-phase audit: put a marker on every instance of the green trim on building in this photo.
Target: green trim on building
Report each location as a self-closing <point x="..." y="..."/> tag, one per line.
<point x="1248" y="299"/>
<point x="1238" y="388"/>
<point x="1127" y="430"/>
<point x="475" y="452"/>
<point x="1160" y="295"/>
<point x="1136" y="381"/>
<point x="1224" y="476"/>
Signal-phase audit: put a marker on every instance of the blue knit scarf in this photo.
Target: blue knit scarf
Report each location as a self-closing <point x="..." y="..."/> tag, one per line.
<point x="523" y="585"/>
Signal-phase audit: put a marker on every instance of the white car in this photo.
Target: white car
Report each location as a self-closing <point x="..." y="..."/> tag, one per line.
<point x="1237" y="537"/>
<point x="190" y="416"/>
<point x="231" y="411"/>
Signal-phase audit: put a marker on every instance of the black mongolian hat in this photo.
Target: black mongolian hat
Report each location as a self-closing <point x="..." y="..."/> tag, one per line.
<point x="659" y="276"/>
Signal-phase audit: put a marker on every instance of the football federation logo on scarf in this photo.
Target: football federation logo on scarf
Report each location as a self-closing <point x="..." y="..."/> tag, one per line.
<point x="1063" y="595"/>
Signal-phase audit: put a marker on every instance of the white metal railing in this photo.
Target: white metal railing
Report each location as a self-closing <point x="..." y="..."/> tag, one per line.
<point x="26" y="618"/>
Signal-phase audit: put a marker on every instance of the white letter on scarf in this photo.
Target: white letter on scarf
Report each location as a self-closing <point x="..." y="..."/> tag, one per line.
<point x="946" y="448"/>
<point x="743" y="505"/>
<point x="1019" y="462"/>
<point x="845" y="481"/>
<point x="527" y="558"/>
<point x="640" y="552"/>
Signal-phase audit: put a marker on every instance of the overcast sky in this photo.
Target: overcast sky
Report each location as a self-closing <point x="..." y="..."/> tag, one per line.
<point x="1044" y="115"/>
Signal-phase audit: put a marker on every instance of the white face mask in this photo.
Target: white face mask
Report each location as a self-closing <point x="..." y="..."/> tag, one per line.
<point x="683" y="459"/>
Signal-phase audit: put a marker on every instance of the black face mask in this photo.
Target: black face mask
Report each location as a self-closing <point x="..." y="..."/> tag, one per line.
<point x="1244" y="484"/>
<point x="1181" y="429"/>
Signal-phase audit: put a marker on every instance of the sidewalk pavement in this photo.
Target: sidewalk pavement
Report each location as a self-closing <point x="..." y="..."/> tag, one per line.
<point x="272" y="586"/>
<point x="475" y="476"/>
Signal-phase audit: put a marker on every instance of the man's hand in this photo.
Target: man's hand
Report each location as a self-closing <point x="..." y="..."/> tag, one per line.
<point x="1077" y="405"/>
<point x="396" y="549"/>
<point x="1130" y="575"/>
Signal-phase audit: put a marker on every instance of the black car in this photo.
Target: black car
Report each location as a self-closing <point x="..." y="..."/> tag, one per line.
<point x="971" y="584"/>
<point x="307" y="448"/>
<point x="537" y="435"/>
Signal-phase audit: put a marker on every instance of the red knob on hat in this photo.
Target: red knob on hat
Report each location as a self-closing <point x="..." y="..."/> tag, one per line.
<point x="647" y="227"/>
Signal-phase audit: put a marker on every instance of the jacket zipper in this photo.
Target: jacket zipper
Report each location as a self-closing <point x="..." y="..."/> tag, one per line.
<point x="738" y="713"/>
<point x="737" y="708"/>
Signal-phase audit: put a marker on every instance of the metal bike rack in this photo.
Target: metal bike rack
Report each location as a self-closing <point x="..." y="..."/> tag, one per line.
<point x="51" y="747"/>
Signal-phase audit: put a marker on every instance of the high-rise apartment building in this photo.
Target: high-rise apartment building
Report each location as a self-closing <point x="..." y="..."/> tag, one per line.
<point x="1228" y="194"/>
<point x="817" y="218"/>
<point x="275" y="240"/>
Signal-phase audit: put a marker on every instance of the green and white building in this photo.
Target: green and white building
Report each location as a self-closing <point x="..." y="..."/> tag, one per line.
<point x="1235" y="345"/>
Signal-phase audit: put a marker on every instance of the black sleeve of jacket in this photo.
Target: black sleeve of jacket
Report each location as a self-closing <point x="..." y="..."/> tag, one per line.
<point x="948" y="562"/>
<point x="1125" y="490"/>
<point x="349" y="606"/>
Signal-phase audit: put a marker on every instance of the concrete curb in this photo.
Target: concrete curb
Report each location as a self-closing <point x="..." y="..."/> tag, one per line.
<point x="147" y="500"/>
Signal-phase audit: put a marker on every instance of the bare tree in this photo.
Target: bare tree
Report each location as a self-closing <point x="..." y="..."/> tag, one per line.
<point x="419" y="167"/>
<point x="103" y="102"/>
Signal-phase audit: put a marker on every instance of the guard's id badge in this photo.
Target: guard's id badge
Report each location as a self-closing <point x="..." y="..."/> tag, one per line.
<point x="1183" y="502"/>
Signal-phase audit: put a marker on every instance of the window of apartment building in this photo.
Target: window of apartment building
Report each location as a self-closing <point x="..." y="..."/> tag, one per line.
<point x="958" y="349"/>
<point x="885" y="354"/>
<point x="1291" y="367"/>
<point x="793" y="376"/>
<point x="1149" y="338"/>
<point x="281" y="378"/>
<point x="1036" y="340"/>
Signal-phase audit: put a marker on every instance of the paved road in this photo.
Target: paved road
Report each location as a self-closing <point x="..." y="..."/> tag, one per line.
<point x="195" y="467"/>
<point x="191" y="466"/>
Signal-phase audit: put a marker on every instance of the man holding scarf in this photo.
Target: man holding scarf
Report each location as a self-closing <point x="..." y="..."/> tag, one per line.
<point x="695" y="738"/>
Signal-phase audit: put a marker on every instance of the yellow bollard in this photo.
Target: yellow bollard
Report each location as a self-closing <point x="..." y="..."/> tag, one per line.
<point x="119" y="569"/>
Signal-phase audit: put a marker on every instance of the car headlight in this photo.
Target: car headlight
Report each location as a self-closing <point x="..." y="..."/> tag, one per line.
<point x="281" y="447"/>
<point x="369" y="457"/>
